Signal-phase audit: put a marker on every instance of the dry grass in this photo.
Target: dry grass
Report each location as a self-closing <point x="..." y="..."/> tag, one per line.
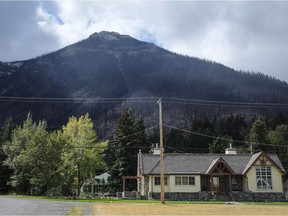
<point x="76" y="210"/>
<point x="186" y="209"/>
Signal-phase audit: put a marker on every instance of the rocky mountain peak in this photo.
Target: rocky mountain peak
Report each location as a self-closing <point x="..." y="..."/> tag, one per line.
<point x="109" y="36"/>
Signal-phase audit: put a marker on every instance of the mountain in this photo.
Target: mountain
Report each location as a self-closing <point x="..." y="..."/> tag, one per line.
<point x="110" y="65"/>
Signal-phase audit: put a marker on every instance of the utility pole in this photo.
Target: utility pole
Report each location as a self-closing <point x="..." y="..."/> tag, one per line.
<point x="162" y="195"/>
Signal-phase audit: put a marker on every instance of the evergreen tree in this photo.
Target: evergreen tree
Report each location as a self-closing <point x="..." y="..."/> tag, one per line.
<point x="234" y="126"/>
<point x="276" y="120"/>
<point x="258" y="135"/>
<point x="196" y="141"/>
<point x="176" y="141"/>
<point x="122" y="152"/>
<point x="220" y="144"/>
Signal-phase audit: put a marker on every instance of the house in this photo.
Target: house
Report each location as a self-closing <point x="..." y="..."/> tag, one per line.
<point x="100" y="181"/>
<point x="96" y="185"/>
<point x="238" y="177"/>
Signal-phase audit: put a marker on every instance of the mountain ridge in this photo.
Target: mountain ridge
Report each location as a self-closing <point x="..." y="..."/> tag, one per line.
<point x="110" y="65"/>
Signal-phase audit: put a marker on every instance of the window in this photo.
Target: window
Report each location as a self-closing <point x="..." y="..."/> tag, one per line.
<point x="157" y="181"/>
<point x="184" y="180"/>
<point x="264" y="178"/>
<point x="177" y="180"/>
<point x="191" y="180"/>
<point x="216" y="182"/>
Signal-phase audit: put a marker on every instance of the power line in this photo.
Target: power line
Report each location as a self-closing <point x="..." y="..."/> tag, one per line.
<point x="199" y="102"/>
<point x="214" y="137"/>
<point x="91" y="100"/>
<point x="171" y="100"/>
<point x="125" y="137"/>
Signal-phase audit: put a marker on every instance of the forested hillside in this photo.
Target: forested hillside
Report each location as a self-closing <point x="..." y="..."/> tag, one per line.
<point x="103" y="73"/>
<point x="71" y="155"/>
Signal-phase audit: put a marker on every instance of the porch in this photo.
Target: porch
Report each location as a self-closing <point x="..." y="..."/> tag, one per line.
<point x="221" y="180"/>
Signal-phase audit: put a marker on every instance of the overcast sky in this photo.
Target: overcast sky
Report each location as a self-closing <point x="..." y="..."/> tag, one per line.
<point x="245" y="35"/>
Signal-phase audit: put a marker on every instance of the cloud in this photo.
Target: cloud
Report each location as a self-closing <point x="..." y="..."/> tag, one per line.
<point x="20" y="37"/>
<point x="243" y="35"/>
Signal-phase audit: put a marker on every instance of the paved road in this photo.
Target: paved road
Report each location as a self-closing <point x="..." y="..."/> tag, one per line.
<point x="18" y="206"/>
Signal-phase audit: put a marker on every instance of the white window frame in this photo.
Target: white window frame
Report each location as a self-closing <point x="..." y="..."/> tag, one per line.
<point x="264" y="178"/>
<point x="158" y="181"/>
<point x="185" y="180"/>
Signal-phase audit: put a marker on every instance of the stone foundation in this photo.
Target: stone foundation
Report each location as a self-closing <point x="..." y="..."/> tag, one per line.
<point x="257" y="197"/>
<point x="201" y="196"/>
<point x="130" y="195"/>
<point x="237" y="196"/>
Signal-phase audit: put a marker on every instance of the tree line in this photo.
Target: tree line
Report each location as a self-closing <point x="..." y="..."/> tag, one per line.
<point x="34" y="159"/>
<point x="260" y="133"/>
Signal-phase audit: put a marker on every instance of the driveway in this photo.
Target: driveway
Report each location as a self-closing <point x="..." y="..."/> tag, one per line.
<point x="20" y="206"/>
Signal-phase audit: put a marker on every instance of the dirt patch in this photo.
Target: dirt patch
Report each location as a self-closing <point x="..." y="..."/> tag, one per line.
<point x="187" y="209"/>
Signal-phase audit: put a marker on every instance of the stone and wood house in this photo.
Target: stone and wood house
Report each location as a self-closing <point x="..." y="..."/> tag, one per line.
<point x="229" y="176"/>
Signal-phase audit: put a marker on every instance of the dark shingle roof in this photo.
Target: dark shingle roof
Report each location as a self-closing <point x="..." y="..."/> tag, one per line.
<point x="198" y="163"/>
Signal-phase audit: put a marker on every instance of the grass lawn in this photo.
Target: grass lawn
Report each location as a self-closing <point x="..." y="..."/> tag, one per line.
<point x="187" y="209"/>
<point x="152" y="207"/>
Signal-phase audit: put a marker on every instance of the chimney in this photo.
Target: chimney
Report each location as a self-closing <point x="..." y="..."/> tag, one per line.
<point x="139" y="165"/>
<point x="156" y="150"/>
<point x="230" y="150"/>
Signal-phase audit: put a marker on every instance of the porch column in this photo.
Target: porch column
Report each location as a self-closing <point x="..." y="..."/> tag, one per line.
<point x="211" y="182"/>
<point x="230" y="183"/>
<point x="123" y="179"/>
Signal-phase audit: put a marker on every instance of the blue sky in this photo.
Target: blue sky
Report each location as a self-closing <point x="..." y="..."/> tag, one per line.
<point x="245" y="35"/>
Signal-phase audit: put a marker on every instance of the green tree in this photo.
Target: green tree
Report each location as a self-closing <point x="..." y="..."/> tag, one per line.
<point x="122" y="152"/>
<point x="35" y="156"/>
<point x="176" y="141"/>
<point x="276" y="120"/>
<point x="48" y="171"/>
<point x="275" y="138"/>
<point x="279" y="139"/>
<point x="258" y="135"/>
<point x="220" y="144"/>
<point x="197" y="142"/>
<point x="234" y="126"/>
<point x="83" y="156"/>
<point x="21" y="152"/>
<point x="5" y="137"/>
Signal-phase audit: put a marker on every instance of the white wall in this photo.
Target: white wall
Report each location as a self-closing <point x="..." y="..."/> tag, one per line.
<point x="277" y="184"/>
<point x="172" y="187"/>
<point x="186" y="188"/>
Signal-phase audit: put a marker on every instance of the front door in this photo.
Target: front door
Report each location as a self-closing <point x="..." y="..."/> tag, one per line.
<point x="220" y="184"/>
<point x="216" y="184"/>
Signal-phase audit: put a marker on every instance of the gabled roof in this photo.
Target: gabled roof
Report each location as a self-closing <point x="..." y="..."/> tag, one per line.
<point x="272" y="158"/>
<point x="251" y="161"/>
<point x="215" y="163"/>
<point x="102" y="176"/>
<point x="187" y="163"/>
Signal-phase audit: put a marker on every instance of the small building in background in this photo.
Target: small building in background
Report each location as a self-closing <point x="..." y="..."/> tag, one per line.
<point x="97" y="185"/>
